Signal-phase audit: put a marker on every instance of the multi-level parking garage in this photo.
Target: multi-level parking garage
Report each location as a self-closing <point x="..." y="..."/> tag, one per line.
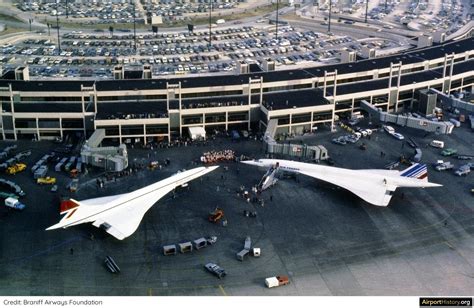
<point x="149" y="109"/>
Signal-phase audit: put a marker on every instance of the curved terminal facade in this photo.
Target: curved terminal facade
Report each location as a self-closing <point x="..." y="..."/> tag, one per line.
<point x="147" y="110"/>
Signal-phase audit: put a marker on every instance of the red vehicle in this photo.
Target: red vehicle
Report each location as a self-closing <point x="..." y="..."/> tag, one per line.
<point x="216" y="215"/>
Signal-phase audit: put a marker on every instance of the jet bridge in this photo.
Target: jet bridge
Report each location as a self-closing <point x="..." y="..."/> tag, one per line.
<point x="317" y="152"/>
<point x="109" y="158"/>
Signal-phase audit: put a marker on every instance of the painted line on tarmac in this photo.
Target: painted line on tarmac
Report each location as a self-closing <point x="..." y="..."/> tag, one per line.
<point x="222" y="290"/>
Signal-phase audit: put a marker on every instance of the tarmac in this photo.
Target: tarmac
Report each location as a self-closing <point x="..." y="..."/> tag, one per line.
<point x="327" y="240"/>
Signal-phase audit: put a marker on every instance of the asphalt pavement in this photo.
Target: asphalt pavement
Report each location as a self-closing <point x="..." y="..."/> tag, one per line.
<point x="328" y="241"/>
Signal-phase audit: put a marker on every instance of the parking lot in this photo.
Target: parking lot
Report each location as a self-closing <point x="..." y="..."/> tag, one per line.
<point x="122" y="12"/>
<point x="94" y="54"/>
<point x="327" y="241"/>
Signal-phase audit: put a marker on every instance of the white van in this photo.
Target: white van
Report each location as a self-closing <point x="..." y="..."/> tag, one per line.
<point x="437" y="144"/>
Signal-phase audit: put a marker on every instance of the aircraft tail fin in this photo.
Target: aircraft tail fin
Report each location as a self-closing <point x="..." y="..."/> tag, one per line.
<point x="269" y="179"/>
<point x="417" y="171"/>
<point x="67" y="205"/>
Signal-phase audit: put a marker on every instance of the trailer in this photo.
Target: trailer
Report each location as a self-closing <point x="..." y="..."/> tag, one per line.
<point x="70" y="163"/>
<point x="59" y="165"/>
<point x="40" y="172"/>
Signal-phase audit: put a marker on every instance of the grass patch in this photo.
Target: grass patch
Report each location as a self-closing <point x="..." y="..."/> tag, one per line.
<point x="4" y="17"/>
<point x="10" y="30"/>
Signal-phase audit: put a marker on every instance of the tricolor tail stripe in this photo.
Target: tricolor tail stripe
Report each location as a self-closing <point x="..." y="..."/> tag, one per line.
<point x="419" y="171"/>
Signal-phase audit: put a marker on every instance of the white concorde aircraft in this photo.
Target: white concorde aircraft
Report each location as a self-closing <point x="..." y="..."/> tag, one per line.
<point x="120" y="215"/>
<point x="376" y="186"/>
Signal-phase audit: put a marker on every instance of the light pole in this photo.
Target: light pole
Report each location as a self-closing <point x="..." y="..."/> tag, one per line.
<point x="330" y="12"/>
<point x="210" y="24"/>
<point x="276" y="21"/>
<point x="366" y="9"/>
<point x="57" y="27"/>
<point x="134" y="28"/>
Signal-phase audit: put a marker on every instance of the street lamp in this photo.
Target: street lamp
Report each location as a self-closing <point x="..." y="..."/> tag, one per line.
<point x="366" y="9"/>
<point x="134" y="27"/>
<point x="276" y="21"/>
<point x="330" y="12"/>
<point x="210" y="24"/>
<point x="57" y="27"/>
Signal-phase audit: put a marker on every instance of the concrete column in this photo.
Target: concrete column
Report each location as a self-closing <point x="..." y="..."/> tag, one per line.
<point x="82" y="101"/>
<point x="13" y="111"/>
<point x="61" y="126"/>
<point x="95" y="99"/>
<point x="226" y="120"/>
<point x="37" y="130"/>
<point x="180" y="102"/>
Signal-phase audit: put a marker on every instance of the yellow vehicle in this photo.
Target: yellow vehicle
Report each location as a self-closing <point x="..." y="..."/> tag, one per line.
<point x="47" y="180"/>
<point x="16" y="168"/>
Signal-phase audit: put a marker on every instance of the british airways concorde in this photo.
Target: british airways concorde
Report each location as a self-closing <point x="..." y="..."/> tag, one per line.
<point x="120" y="215"/>
<point x="376" y="186"/>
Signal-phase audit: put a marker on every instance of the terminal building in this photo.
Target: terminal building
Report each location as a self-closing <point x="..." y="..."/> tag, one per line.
<point x="147" y="110"/>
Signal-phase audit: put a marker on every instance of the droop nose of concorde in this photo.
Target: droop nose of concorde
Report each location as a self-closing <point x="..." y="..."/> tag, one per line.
<point x="258" y="163"/>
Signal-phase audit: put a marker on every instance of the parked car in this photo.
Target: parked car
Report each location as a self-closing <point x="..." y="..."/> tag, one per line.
<point x="389" y="129"/>
<point x="216" y="270"/>
<point x="449" y="152"/>
<point x="398" y="136"/>
<point x="444" y="166"/>
<point x="340" y="140"/>
<point x="46" y="180"/>
<point x="437" y="144"/>
<point x="463" y="170"/>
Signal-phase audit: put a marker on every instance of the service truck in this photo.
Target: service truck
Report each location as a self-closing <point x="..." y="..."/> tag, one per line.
<point x="276" y="281"/>
<point x="14" y="204"/>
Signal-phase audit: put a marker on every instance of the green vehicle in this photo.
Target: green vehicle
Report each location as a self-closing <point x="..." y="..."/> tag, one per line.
<point x="449" y="152"/>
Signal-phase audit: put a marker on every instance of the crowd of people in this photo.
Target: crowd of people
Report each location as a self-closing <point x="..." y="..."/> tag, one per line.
<point x="217" y="156"/>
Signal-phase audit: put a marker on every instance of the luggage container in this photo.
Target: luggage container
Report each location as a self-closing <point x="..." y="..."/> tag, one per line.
<point x="241" y="254"/>
<point x="248" y="243"/>
<point x="169" y="250"/>
<point x="185" y="247"/>
<point x="200" y="243"/>
<point x="59" y="165"/>
<point x="40" y="172"/>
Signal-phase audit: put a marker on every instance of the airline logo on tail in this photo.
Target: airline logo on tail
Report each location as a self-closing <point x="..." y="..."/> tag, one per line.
<point x="418" y="171"/>
<point x="67" y="205"/>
